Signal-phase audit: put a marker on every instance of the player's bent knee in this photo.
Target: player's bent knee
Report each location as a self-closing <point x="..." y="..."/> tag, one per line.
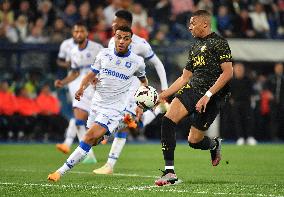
<point x="194" y="139"/>
<point x="80" y="114"/>
<point x="195" y="135"/>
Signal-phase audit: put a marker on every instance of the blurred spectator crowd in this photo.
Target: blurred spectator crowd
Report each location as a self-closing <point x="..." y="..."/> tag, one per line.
<point x="159" y="21"/>
<point x="29" y="111"/>
<point x="256" y="106"/>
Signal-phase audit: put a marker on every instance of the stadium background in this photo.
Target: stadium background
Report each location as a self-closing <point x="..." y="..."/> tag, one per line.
<point x="31" y="32"/>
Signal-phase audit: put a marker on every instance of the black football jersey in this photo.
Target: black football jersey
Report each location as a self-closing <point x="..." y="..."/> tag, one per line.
<point x="205" y="58"/>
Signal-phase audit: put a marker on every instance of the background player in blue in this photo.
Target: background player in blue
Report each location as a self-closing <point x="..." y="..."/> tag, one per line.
<point x="114" y="69"/>
<point x="200" y="91"/>
<point x="142" y="48"/>
<point x="81" y="58"/>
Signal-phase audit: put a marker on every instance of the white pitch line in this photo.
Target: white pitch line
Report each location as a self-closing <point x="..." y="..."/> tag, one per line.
<point x="145" y="188"/>
<point x="118" y="174"/>
<point x="142" y="188"/>
<point x="81" y="172"/>
<point x="59" y="186"/>
<point x="152" y="188"/>
<point x="135" y="175"/>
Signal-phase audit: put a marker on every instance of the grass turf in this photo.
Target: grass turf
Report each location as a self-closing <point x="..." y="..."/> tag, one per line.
<point x="244" y="171"/>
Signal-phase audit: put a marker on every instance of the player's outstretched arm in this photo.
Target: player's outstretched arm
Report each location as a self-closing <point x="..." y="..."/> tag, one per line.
<point x="160" y="71"/>
<point x="70" y="77"/>
<point x="88" y="78"/>
<point x="178" y="84"/>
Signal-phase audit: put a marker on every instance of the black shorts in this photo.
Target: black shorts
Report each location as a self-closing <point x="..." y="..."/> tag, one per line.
<point x="188" y="97"/>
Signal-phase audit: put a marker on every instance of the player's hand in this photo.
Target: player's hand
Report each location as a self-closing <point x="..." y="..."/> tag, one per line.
<point x="58" y="83"/>
<point x="201" y="104"/>
<point x="162" y="97"/>
<point x="139" y="112"/>
<point x="78" y="94"/>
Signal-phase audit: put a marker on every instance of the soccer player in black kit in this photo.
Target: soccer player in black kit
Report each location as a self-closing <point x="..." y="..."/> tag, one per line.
<point x="199" y="92"/>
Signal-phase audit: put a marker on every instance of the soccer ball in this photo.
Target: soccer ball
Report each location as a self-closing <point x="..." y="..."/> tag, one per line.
<point x="146" y="97"/>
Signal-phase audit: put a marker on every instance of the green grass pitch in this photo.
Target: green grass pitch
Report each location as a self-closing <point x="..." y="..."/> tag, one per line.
<point x="244" y="171"/>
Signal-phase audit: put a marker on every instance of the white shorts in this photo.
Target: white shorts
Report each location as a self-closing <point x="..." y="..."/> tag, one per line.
<point x="108" y="118"/>
<point x="85" y="101"/>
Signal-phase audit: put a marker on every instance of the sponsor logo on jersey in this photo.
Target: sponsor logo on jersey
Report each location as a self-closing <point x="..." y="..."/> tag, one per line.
<point x="115" y="74"/>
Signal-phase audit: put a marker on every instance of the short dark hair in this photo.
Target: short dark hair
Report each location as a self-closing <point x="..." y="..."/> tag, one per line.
<point x="125" y="29"/>
<point x="80" y="24"/>
<point x="124" y="14"/>
<point x="201" y="13"/>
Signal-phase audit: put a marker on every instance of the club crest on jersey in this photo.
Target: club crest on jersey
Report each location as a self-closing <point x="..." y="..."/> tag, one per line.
<point x="88" y="55"/>
<point x="127" y="64"/>
<point x="118" y="62"/>
<point x="203" y="48"/>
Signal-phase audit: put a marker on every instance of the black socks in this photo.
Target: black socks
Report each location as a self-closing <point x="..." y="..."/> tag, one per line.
<point x="168" y="140"/>
<point x="205" y="144"/>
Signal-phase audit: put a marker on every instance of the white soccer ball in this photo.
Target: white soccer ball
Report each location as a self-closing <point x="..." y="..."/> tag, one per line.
<point x="146" y="97"/>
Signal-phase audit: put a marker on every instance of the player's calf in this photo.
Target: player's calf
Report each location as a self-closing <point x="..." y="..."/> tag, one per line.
<point x="214" y="145"/>
<point x="205" y="144"/>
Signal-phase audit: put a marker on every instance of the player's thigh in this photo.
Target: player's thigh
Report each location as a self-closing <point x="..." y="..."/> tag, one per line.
<point x="80" y="114"/>
<point x="186" y="99"/>
<point x="176" y="111"/>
